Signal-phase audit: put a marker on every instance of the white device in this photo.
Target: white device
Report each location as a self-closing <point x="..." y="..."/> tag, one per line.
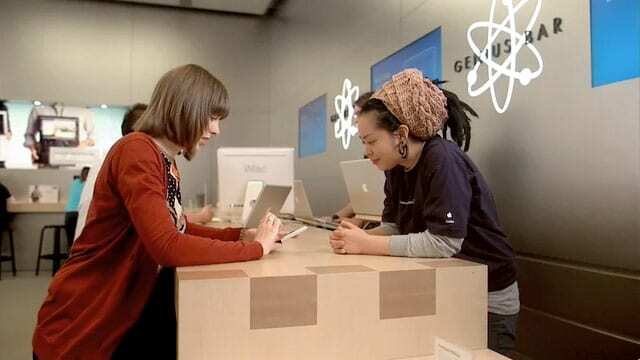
<point x="254" y="188"/>
<point x="294" y="233"/>
<point x="365" y="185"/>
<point x="444" y="350"/>
<point x="272" y="198"/>
<point x="238" y="165"/>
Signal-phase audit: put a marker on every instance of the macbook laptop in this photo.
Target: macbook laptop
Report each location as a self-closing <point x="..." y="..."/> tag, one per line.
<point x="365" y="185"/>
<point x="302" y="209"/>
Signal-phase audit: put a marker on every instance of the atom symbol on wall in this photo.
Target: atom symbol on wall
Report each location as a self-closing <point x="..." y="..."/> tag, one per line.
<point x="508" y="67"/>
<point x="344" y="128"/>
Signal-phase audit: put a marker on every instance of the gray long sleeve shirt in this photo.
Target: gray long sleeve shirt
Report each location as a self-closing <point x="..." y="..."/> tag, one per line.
<point x="426" y="244"/>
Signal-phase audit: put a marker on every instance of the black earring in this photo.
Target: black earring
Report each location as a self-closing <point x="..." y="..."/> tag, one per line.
<point x="403" y="149"/>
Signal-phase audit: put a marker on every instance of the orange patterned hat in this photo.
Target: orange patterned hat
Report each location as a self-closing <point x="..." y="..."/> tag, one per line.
<point x="416" y="102"/>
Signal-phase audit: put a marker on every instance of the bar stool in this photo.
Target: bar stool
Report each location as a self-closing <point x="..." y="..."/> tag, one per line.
<point x="56" y="256"/>
<point x="11" y="257"/>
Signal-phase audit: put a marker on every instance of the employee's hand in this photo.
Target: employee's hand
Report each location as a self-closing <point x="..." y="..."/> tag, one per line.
<point x="268" y="232"/>
<point x="348" y="239"/>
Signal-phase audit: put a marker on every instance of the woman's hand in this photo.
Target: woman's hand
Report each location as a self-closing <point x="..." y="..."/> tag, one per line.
<point x="267" y="233"/>
<point x="349" y="239"/>
<point x="250" y="234"/>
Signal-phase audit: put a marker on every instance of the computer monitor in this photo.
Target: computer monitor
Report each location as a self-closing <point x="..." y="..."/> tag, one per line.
<point x="238" y="165"/>
<point x="61" y="129"/>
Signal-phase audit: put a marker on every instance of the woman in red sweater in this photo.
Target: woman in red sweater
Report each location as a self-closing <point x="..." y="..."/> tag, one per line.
<point x="136" y="233"/>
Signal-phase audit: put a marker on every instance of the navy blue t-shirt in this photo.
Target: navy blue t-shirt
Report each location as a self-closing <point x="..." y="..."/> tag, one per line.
<point x="446" y="194"/>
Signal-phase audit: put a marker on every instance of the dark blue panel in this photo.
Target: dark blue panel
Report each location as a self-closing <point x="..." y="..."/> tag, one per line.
<point x="312" y="127"/>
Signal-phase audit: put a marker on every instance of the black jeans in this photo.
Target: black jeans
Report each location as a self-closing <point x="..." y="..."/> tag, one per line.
<point x="502" y="334"/>
<point x="154" y="334"/>
<point x="70" y="223"/>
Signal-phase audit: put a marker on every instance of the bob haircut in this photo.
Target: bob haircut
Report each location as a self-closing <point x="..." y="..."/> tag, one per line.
<point x="184" y="100"/>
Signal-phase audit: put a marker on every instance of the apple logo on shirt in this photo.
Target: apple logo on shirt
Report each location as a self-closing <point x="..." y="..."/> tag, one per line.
<point x="449" y="218"/>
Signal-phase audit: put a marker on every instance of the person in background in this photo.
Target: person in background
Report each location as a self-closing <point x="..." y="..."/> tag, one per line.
<point x="201" y="216"/>
<point x="5" y="216"/>
<point x="126" y="127"/>
<point x="347" y="213"/>
<point x="437" y="202"/>
<point x="71" y="209"/>
<point x="39" y="147"/>
<point x="113" y="298"/>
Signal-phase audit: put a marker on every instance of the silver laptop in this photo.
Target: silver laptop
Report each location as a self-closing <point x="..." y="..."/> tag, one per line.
<point x="271" y="197"/>
<point x="302" y="209"/>
<point x="365" y="185"/>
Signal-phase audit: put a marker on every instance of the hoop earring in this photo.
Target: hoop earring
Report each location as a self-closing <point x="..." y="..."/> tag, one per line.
<point x="403" y="149"/>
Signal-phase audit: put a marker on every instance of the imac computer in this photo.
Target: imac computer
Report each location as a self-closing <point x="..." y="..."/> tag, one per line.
<point x="239" y="165"/>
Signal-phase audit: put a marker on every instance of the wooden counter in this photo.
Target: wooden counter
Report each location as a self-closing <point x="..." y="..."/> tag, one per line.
<point x="26" y="207"/>
<point x="305" y="302"/>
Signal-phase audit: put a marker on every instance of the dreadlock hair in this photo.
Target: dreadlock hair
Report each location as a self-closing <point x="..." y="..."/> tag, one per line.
<point x="459" y="124"/>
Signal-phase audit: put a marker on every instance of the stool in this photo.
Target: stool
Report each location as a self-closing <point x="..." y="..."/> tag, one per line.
<point x="56" y="256"/>
<point x="12" y="257"/>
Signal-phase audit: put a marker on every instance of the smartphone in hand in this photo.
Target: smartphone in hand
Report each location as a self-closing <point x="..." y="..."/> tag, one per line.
<point x="294" y="233"/>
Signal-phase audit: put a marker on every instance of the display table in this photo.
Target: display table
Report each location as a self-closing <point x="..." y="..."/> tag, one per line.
<point x="27" y="207"/>
<point x="302" y="301"/>
<point x="29" y="220"/>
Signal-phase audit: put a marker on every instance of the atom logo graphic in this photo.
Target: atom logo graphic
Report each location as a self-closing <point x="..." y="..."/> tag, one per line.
<point x="344" y="128"/>
<point x="509" y="67"/>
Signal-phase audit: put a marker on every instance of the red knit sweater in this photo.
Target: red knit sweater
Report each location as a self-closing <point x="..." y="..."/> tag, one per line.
<point x="101" y="290"/>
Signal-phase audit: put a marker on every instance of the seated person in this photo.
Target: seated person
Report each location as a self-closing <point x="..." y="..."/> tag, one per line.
<point x="202" y="216"/>
<point x="346" y="213"/>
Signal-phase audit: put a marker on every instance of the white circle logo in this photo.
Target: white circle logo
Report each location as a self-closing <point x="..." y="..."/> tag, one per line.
<point x="508" y="68"/>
